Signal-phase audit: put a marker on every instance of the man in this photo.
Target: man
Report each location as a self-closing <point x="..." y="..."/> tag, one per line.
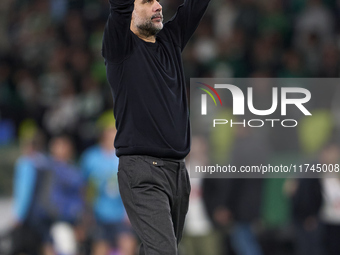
<point x="145" y="71"/>
<point x="65" y="203"/>
<point x="100" y="165"/>
<point x="32" y="233"/>
<point x="67" y="184"/>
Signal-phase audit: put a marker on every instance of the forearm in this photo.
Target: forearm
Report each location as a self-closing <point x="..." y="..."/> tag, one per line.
<point x="115" y="41"/>
<point x="121" y="6"/>
<point x="187" y="19"/>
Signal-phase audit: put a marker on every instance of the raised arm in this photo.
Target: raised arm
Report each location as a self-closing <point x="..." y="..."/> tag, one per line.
<point x="116" y="41"/>
<point x="186" y="20"/>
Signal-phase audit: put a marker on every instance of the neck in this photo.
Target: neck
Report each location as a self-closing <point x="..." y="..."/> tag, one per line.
<point x="146" y="38"/>
<point x="151" y="39"/>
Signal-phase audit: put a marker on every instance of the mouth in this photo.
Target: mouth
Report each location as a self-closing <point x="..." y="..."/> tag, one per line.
<point x="157" y="17"/>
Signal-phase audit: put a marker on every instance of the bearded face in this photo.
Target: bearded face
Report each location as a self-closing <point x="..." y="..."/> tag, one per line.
<point x="149" y="26"/>
<point x="147" y="17"/>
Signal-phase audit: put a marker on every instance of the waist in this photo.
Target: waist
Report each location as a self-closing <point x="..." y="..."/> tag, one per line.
<point x="157" y="161"/>
<point x="156" y="152"/>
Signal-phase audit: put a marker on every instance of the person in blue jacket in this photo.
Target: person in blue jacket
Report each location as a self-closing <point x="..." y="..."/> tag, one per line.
<point x="30" y="220"/>
<point x="66" y="191"/>
<point x="100" y="166"/>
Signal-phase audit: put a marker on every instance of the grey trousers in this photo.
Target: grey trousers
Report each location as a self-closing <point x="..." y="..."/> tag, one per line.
<point x="155" y="193"/>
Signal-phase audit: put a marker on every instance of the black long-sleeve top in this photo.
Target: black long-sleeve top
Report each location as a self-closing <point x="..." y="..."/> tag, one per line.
<point x="147" y="81"/>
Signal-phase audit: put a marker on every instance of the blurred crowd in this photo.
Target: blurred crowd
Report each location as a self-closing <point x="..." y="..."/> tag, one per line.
<point x="62" y="207"/>
<point x="52" y="72"/>
<point x="52" y="78"/>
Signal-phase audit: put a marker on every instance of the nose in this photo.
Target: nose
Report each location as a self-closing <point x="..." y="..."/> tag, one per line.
<point x="157" y="6"/>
